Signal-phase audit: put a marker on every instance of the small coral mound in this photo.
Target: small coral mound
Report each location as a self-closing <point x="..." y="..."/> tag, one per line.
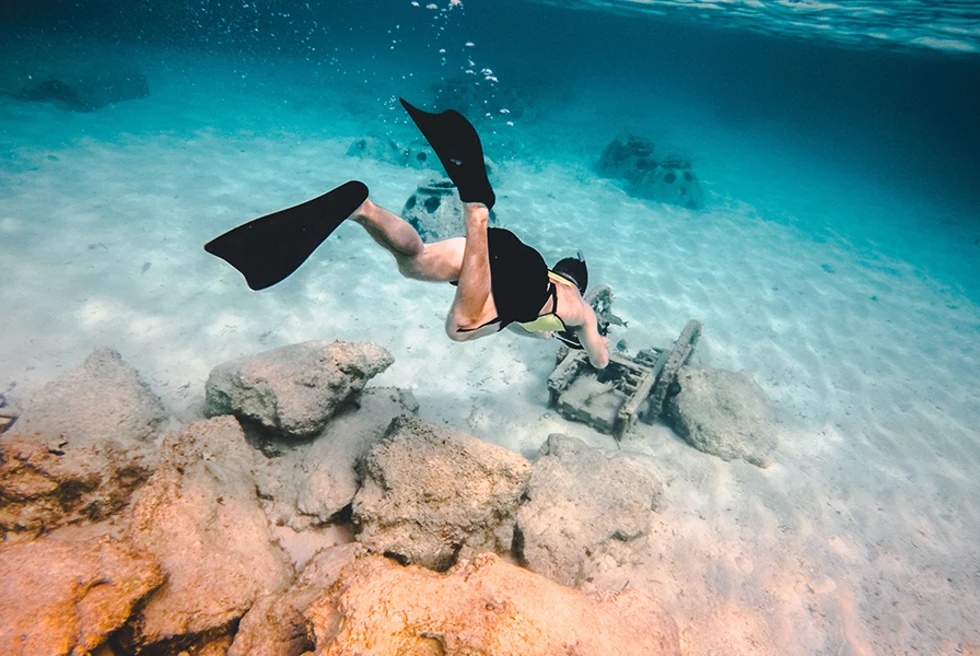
<point x="724" y="413"/>
<point x="669" y="179"/>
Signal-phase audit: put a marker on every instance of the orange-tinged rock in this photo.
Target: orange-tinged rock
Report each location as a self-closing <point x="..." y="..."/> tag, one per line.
<point x="63" y="597"/>
<point x="481" y="606"/>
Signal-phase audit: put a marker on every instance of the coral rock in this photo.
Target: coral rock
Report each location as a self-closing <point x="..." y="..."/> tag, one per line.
<point x="307" y="484"/>
<point x="275" y="625"/>
<point x="294" y="390"/>
<point x="200" y="517"/>
<point x="84" y="443"/>
<point x="66" y="597"/>
<point x="723" y="413"/>
<point x="481" y="606"/>
<point x="432" y="494"/>
<point x="579" y="500"/>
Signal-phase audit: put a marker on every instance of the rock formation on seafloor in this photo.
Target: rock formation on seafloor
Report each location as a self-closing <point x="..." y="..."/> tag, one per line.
<point x="309" y="483"/>
<point x="578" y="500"/>
<point x="85" y="89"/>
<point x="200" y="517"/>
<point x="723" y="413"/>
<point x="294" y="390"/>
<point x="432" y="494"/>
<point x="197" y="557"/>
<point x="83" y="444"/>
<point x="355" y="602"/>
<point x="66" y="597"/>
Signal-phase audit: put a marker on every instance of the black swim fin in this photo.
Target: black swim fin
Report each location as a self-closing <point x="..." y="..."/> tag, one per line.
<point x="457" y="146"/>
<point x="266" y="250"/>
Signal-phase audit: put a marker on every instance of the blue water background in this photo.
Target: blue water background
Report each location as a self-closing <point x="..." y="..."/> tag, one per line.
<point x="860" y="149"/>
<point x="902" y="122"/>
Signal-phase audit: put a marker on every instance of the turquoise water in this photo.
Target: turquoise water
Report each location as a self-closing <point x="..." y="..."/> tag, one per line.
<point x="837" y="255"/>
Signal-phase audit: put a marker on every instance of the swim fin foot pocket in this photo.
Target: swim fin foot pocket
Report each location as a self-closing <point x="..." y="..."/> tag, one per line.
<point x="457" y="145"/>
<point x="268" y="249"/>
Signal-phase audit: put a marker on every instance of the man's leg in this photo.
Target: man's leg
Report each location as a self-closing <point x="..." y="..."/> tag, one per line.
<point x="392" y="232"/>
<point x="438" y="262"/>
<point x="473" y="306"/>
<point x="464" y="260"/>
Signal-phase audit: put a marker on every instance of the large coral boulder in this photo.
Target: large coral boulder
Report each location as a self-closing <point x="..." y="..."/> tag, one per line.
<point x="199" y="515"/>
<point x="724" y="413"/>
<point x="294" y="390"/>
<point x="481" y="606"/>
<point x="309" y="483"/>
<point x="579" y="500"/>
<point x="59" y="597"/>
<point x="432" y="494"/>
<point x="84" y="443"/>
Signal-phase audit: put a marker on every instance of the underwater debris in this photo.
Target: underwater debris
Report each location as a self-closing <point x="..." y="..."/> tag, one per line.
<point x="666" y="366"/>
<point x="61" y="596"/>
<point x="630" y="388"/>
<point x="719" y="412"/>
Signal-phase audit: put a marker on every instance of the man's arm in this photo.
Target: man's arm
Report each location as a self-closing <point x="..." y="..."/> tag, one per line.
<point x="596" y="345"/>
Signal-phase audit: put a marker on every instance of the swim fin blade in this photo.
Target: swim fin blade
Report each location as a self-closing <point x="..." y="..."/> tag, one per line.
<point x="457" y="146"/>
<point x="268" y="249"/>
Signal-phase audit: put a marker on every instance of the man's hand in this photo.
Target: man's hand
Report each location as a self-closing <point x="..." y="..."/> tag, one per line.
<point x="596" y="345"/>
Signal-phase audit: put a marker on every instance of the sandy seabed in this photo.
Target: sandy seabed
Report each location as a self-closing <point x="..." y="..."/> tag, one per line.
<point x="860" y="539"/>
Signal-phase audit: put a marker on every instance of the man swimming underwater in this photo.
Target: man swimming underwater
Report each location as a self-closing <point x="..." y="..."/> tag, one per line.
<point x="500" y="281"/>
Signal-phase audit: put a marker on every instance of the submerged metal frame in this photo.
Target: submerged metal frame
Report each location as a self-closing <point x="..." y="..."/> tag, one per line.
<point x="630" y="388"/>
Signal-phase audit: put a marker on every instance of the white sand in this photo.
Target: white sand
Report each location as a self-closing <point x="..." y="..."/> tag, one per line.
<point x="861" y="539"/>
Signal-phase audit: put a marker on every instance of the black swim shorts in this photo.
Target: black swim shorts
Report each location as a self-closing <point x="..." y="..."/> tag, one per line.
<point x="518" y="277"/>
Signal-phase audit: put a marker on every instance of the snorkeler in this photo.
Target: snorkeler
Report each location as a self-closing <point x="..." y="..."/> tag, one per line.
<point x="500" y="281"/>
